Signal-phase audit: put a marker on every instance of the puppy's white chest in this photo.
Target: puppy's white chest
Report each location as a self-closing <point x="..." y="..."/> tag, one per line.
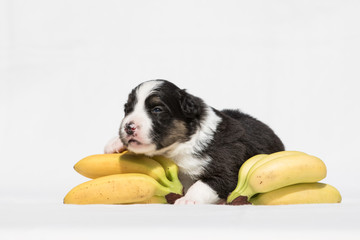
<point x="191" y="165"/>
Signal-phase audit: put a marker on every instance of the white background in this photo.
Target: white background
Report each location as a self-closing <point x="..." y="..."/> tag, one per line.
<point x="66" y="68"/>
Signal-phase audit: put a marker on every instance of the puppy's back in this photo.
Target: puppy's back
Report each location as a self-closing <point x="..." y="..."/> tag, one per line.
<point x="260" y="135"/>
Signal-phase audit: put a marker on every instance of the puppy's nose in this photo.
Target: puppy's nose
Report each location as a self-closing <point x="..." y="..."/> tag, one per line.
<point x="130" y="128"/>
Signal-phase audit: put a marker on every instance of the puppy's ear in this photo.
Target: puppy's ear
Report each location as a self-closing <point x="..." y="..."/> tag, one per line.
<point x="191" y="106"/>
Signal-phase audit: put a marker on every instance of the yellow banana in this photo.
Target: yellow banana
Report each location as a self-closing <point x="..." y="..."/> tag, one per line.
<point x="250" y="166"/>
<point x="299" y="194"/>
<point x="99" y="165"/>
<point x="284" y="171"/>
<point x="118" y="189"/>
<point x="278" y="170"/>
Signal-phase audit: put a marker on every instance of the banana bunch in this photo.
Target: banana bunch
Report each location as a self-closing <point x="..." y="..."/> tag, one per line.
<point x="126" y="178"/>
<point x="286" y="177"/>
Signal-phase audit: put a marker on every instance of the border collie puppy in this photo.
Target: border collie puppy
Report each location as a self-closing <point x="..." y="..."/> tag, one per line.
<point x="208" y="145"/>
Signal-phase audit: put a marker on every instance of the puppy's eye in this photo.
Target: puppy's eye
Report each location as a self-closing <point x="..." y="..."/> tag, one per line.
<point x="157" y="109"/>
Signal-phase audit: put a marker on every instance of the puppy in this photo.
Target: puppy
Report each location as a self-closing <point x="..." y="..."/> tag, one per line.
<point x="208" y="145"/>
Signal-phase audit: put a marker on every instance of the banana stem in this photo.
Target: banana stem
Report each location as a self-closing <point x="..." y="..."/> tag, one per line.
<point x="176" y="188"/>
<point x="171" y="170"/>
<point x="232" y="197"/>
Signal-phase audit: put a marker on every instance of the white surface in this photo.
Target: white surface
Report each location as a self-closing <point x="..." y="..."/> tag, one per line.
<point x="66" y="68"/>
<point x="56" y="221"/>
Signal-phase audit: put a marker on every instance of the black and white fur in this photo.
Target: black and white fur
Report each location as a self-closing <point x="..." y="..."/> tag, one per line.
<point x="208" y="145"/>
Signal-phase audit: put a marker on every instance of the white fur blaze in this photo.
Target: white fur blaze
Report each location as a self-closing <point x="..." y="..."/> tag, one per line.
<point x="141" y="119"/>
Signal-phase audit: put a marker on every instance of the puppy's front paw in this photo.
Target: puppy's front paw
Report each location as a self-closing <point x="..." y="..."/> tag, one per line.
<point x="185" y="201"/>
<point x="199" y="193"/>
<point x="114" y="146"/>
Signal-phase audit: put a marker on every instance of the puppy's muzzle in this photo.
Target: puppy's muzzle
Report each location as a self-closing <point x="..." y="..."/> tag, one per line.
<point x="130" y="128"/>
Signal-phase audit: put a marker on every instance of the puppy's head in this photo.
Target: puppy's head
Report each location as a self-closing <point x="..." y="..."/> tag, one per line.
<point x="157" y="115"/>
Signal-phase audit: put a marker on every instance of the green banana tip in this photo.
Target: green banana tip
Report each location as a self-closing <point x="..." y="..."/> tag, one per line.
<point x="231" y="197"/>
